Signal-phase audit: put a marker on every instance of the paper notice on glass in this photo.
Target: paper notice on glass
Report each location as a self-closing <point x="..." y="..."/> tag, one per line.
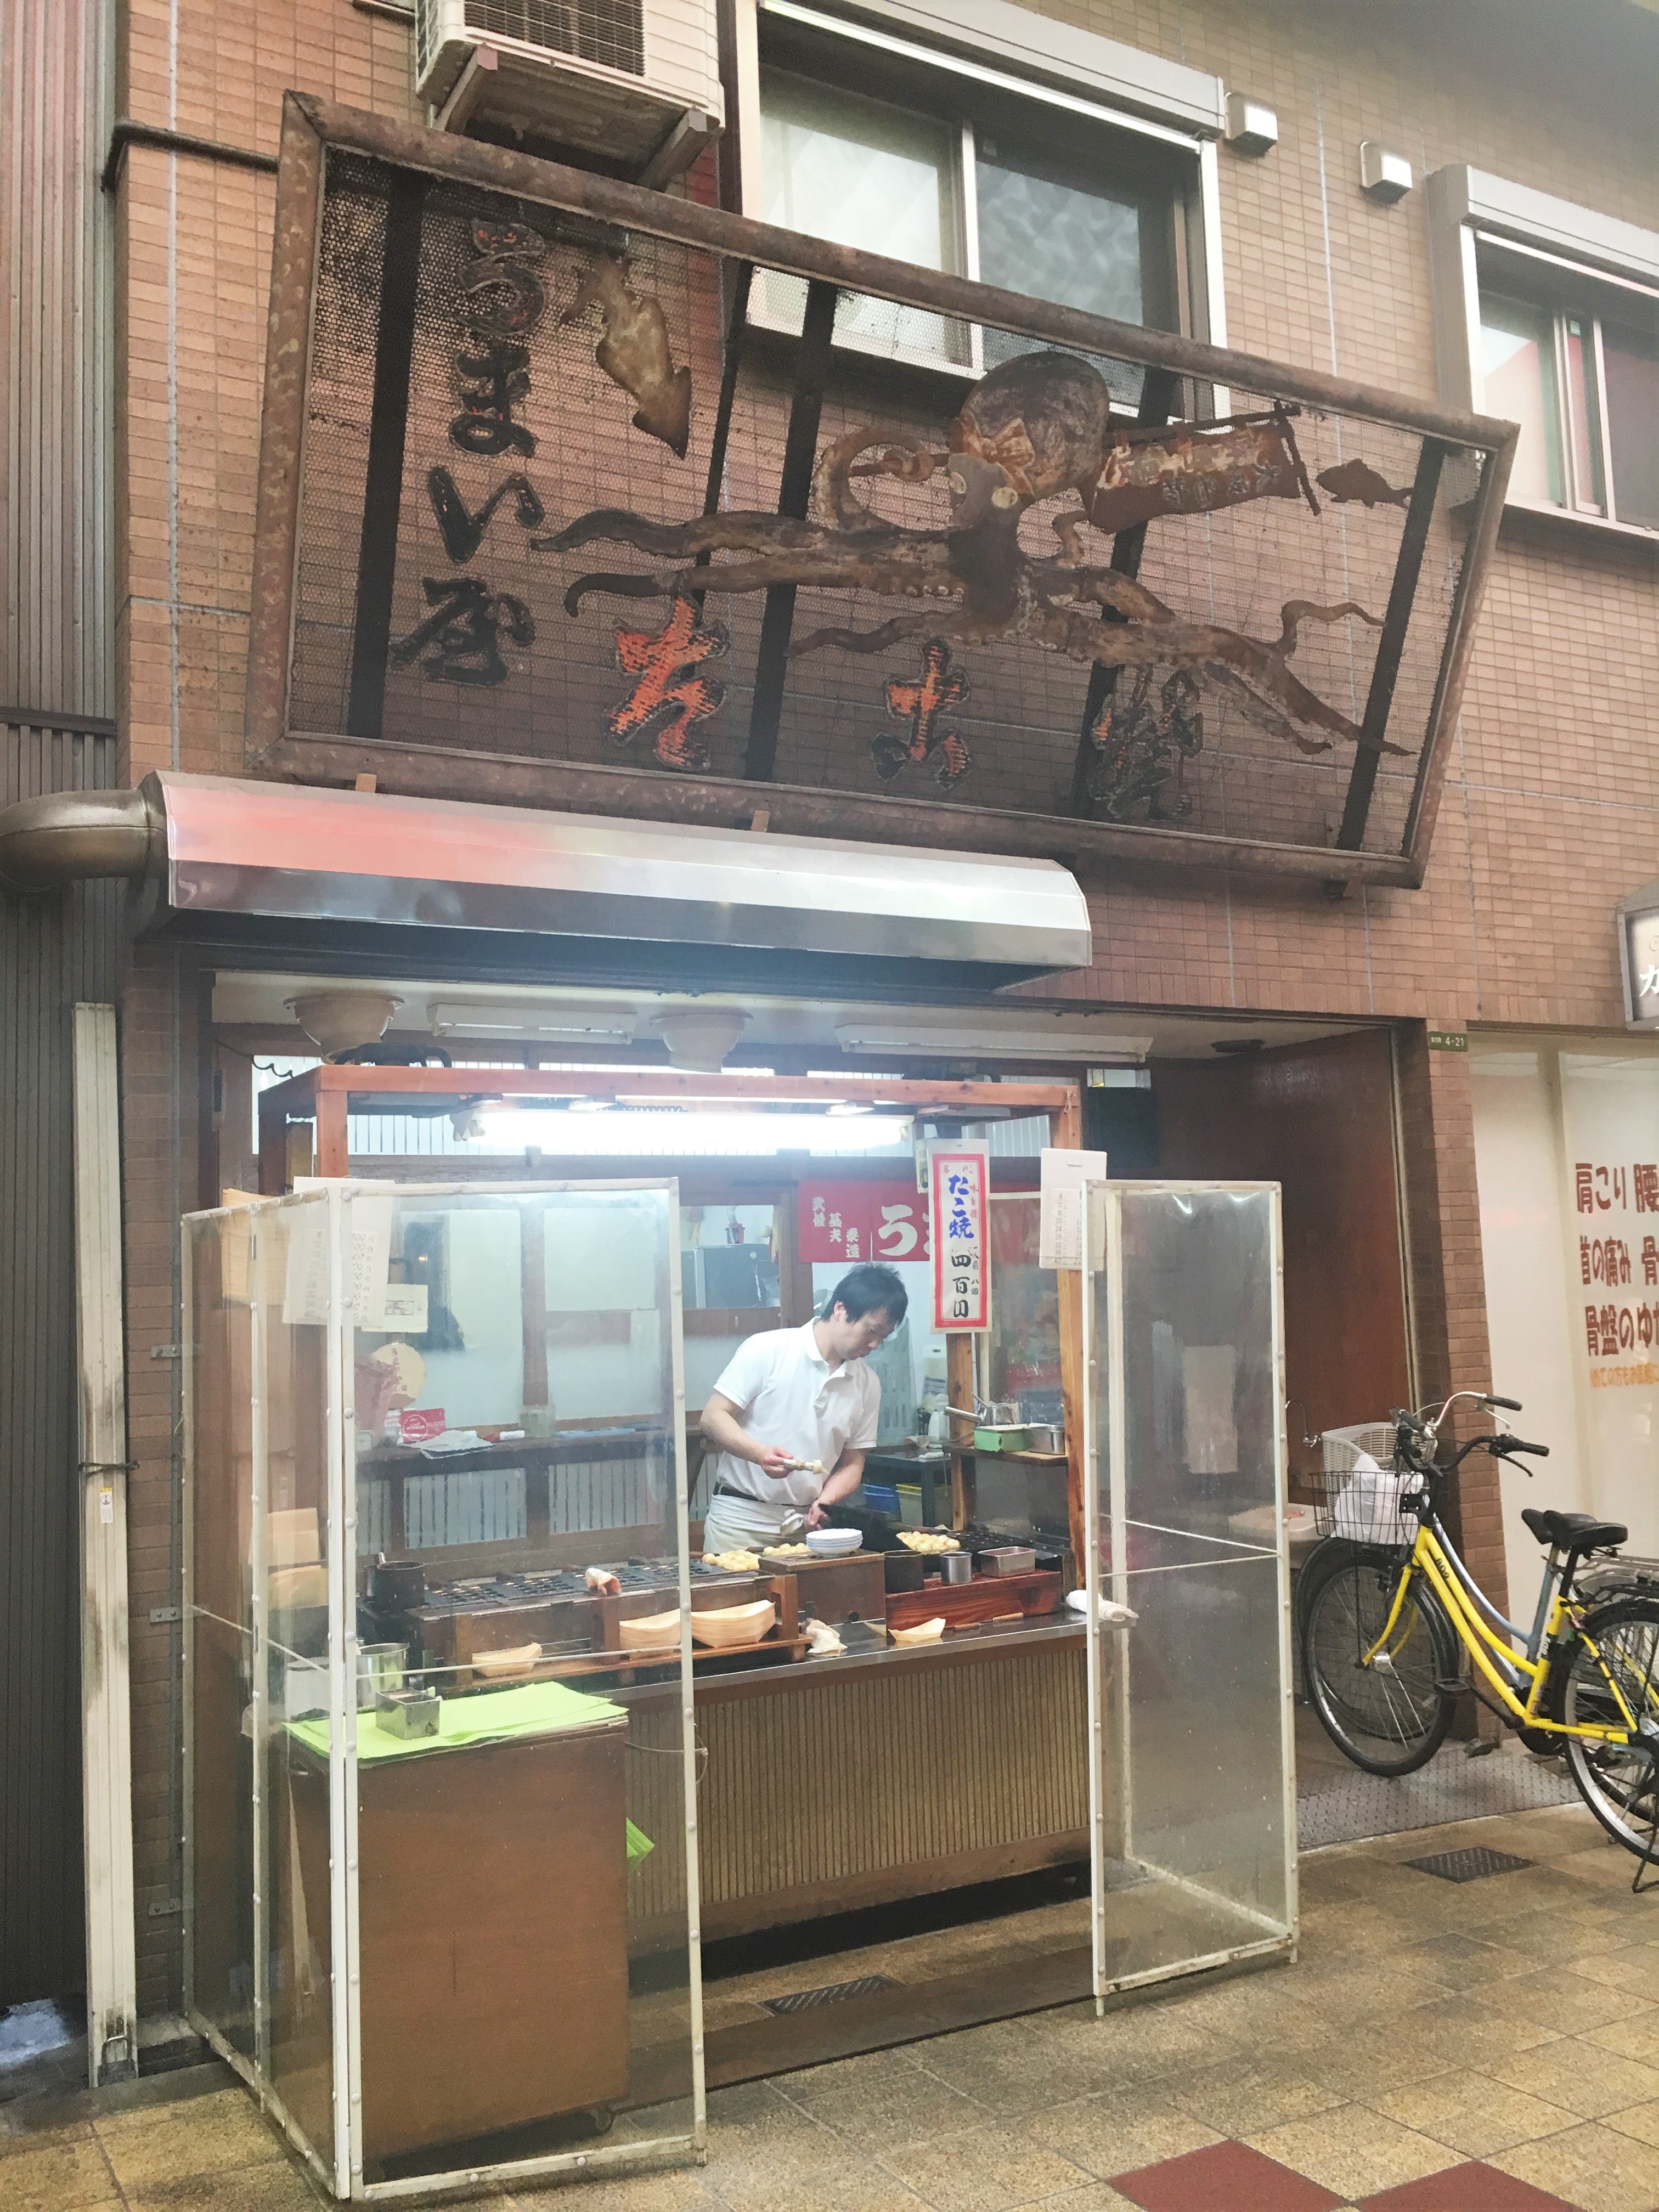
<point x="1064" y="1176"/>
<point x="369" y="1228"/>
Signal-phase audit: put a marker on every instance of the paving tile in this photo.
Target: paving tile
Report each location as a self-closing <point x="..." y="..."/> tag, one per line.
<point x="1594" y="2168"/>
<point x="1093" y="2196"/>
<point x="272" y="2185"/>
<point x="1229" y="2174"/>
<point x="1561" y="1998"/>
<point x="1641" y="2121"/>
<point x="55" y="2173"/>
<point x="1637" y="2037"/>
<point x="1467" y="2189"/>
<point x="1473" y="2112"/>
<point x="1464" y="1962"/>
<point x="209" y="2135"/>
<point x="1468" y="2031"/>
<point x="678" y="2191"/>
<point x="882" y="2098"/>
<point x="1576" y="2074"/>
<point x="1249" y="2094"/>
<point x="983" y="2170"/>
<point x="852" y="2184"/>
<point x="1354" y="2151"/>
<point x="1629" y="1966"/>
<point x="1120" y="2130"/>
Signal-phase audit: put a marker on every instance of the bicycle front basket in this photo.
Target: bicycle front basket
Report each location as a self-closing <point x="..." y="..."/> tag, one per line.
<point x="1362" y="1495"/>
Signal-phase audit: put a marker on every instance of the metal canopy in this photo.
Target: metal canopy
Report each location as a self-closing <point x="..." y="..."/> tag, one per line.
<point x="240" y="854"/>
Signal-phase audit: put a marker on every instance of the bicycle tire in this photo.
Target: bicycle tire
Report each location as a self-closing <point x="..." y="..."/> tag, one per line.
<point x="1619" y="1784"/>
<point x="1387" y="1721"/>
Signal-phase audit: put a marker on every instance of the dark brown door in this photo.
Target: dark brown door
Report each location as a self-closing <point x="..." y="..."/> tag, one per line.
<point x="1318" y="1119"/>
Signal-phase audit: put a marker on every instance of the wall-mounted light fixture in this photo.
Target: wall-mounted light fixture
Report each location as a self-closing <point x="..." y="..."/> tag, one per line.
<point x="1387" y="177"/>
<point x="1252" y="125"/>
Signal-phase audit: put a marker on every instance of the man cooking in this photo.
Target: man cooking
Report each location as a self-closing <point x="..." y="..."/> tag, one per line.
<point x="795" y="1413"/>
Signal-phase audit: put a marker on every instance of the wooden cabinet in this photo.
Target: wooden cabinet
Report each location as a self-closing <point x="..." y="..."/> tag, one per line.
<point x="494" y="1959"/>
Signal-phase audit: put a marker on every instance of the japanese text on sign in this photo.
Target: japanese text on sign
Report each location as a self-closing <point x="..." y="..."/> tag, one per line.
<point x="841" y="1218"/>
<point x="1624" y="1329"/>
<point x="958" y="1200"/>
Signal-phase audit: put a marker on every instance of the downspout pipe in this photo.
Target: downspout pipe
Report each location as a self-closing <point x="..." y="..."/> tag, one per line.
<point x="71" y="836"/>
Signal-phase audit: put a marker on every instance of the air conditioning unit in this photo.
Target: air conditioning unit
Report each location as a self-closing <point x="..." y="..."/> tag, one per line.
<point x="633" y="80"/>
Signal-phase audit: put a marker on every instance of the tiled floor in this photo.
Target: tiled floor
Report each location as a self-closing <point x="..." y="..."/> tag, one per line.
<point x="1487" y="2047"/>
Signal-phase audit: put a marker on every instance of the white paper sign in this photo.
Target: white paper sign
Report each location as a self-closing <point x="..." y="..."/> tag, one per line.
<point x="959" y="1222"/>
<point x="368" y="1223"/>
<point x="1065" y="1175"/>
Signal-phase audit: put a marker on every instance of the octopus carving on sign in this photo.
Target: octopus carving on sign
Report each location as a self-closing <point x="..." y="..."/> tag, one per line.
<point x="1037" y="427"/>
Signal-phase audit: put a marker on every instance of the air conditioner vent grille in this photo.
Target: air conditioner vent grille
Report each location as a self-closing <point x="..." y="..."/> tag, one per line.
<point x="609" y="32"/>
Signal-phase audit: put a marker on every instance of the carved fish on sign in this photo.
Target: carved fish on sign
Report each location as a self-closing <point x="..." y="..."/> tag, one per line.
<point x="1358" y="480"/>
<point x="635" y="351"/>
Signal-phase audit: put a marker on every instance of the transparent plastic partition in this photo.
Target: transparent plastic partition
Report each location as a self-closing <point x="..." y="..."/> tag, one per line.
<point x="1192" y="1772"/>
<point x="259" y="1942"/>
<point x="437" y="1479"/>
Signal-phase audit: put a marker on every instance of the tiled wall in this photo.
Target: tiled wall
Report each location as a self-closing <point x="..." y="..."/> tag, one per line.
<point x="1552" y="799"/>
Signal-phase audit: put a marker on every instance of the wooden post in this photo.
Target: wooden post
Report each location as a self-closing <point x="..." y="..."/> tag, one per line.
<point x="332" y="1153"/>
<point x="273" y="1147"/>
<point x="959" y="1391"/>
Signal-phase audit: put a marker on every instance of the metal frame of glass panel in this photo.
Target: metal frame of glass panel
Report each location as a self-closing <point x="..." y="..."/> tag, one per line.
<point x="1114" y="1753"/>
<point x="338" y="2161"/>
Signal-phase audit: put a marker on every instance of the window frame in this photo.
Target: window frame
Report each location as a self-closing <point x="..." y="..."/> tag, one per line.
<point x="1196" y="274"/>
<point x="1584" y="259"/>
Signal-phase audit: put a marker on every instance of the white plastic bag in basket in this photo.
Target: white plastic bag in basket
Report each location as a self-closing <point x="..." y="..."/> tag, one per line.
<point x="1368" y="1507"/>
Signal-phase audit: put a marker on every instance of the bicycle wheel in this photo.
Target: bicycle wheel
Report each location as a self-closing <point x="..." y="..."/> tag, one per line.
<point x="1617" y="1782"/>
<point x="1392" y="1718"/>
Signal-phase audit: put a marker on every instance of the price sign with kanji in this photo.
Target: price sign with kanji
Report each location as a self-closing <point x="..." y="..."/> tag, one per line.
<point x="959" y="1210"/>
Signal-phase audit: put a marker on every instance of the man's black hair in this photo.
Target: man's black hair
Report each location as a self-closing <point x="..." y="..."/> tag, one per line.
<point x="867" y="1289"/>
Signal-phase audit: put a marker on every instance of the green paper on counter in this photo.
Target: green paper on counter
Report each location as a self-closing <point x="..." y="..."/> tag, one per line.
<point x="491" y="1716"/>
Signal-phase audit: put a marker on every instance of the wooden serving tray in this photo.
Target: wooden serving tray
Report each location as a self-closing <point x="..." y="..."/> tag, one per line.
<point x="960" y="1605"/>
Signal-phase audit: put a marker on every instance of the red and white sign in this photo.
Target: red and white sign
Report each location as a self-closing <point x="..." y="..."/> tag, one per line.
<point x="959" y="1208"/>
<point x="839" y="1219"/>
<point x="420" y="1424"/>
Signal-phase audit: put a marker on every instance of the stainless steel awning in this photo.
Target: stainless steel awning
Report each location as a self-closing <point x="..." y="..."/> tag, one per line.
<point x="233" y="854"/>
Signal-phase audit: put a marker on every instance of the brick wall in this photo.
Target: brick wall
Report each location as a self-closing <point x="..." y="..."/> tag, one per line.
<point x="1553" y="794"/>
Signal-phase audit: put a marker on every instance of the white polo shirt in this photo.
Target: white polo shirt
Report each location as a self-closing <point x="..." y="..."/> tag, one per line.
<point x="787" y="1394"/>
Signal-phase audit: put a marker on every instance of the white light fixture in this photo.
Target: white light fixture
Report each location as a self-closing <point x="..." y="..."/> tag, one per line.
<point x="1387" y="177"/>
<point x="850" y="1106"/>
<point x="700" y="1037"/>
<point x="340" y="1020"/>
<point x="961" y="1040"/>
<point x="468" y="1125"/>
<point x="1252" y="125"/>
<point x="592" y="1105"/>
<point x="518" y="1018"/>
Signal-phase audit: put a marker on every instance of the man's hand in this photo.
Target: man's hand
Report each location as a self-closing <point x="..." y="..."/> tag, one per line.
<point x="773" y="1460"/>
<point x="816" y="1516"/>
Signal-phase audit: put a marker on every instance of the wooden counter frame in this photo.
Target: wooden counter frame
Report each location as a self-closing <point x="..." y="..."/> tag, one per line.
<point x="324" y="1096"/>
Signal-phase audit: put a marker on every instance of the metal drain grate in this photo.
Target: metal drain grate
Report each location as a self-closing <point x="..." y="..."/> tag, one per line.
<point x="1473" y="1864"/>
<point x="832" y="1993"/>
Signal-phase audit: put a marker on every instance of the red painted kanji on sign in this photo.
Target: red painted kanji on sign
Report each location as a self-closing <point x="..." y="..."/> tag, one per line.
<point x="922" y="704"/>
<point x="658" y="658"/>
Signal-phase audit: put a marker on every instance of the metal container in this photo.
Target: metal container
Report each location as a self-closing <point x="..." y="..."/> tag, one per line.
<point x="379" y="1672"/>
<point x="408" y="1713"/>
<point x="957" y="1566"/>
<point x="1002" y="1439"/>
<point x="1008" y="1559"/>
<point x="1046" y="1437"/>
<point x="399" y="1585"/>
<point x="905" y="1571"/>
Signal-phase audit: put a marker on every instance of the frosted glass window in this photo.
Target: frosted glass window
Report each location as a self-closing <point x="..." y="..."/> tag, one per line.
<point x="1632" y="371"/>
<point x="860" y="173"/>
<point x="1517" y="358"/>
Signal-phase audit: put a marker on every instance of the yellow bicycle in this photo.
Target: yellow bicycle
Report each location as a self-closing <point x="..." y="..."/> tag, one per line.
<point x="1385" y="1604"/>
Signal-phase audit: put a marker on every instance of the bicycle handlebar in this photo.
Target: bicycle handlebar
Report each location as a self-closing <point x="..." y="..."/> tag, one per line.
<point x="1504" y="1445"/>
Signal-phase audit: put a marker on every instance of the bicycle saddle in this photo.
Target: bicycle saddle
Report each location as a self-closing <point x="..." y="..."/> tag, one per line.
<point x="1573" y="1532"/>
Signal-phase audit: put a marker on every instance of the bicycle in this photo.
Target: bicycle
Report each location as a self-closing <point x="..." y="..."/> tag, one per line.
<point x="1384" y="1608"/>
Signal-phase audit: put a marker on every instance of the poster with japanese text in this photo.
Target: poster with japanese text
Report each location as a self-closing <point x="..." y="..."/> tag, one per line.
<point x="959" y="1206"/>
<point x="843" y="1218"/>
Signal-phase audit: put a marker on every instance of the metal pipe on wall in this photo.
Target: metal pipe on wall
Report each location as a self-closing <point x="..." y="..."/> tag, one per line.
<point x="68" y="837"/>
